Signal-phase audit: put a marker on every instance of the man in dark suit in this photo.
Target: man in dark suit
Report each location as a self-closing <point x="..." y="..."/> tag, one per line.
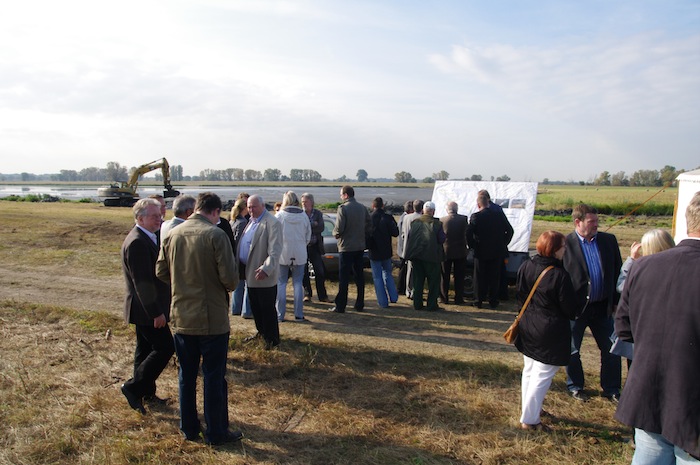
<point x="593" y="261"/>
<point x="660" y="312"/>
<point x="147" y="305"/>
<point x="488" y="233"/>
<point x="455" y="245"/>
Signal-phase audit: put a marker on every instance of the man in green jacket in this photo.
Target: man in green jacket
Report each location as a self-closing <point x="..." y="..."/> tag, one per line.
<point x="424" y="250"/>
<point x="197" y="260"/>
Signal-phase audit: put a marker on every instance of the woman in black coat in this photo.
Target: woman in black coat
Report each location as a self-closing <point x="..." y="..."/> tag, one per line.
<point x="544" y="336"/>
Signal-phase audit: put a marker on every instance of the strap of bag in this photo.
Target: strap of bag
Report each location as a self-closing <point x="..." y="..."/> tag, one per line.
<point x="532" y="291"/>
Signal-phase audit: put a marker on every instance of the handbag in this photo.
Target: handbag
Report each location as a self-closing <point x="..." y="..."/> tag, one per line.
<point x="512" y="332"/>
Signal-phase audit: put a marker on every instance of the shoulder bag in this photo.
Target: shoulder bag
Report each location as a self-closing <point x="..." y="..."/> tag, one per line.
<point x="512" y="332"/>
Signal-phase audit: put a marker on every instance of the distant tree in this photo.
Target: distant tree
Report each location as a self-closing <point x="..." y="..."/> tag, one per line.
<point x="504" y="178"/>
<point x="361" y="175"/>
<point x="645" y="178"/>
<point x="343" y="178"/>
<point x="296" y="174"/>
<point x="619" y="179"/>
<point x="545" y="181"/>
<point x="668" y="175"/>
<point x="116" y="172"/>
<point x="603" y="179"/>
<point x="238" y="174"/>
<point x="253" y="175"/>
<point x="176" y="172"/>
<point x="428" y="180"/>
<point x="210" y="175"/>
<point x="93" y="174"/>
<point x="311" y="176"/>
<point x="404" y="176"/>
<point x="475" y="177"/>
<point x="272" y="174"/>
<point x="68" y="175"/>
<point x="441" y="176"/>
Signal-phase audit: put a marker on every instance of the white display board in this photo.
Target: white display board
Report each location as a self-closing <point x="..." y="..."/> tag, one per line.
<point x="517" y="199"/>
<point x="688" y="185"/>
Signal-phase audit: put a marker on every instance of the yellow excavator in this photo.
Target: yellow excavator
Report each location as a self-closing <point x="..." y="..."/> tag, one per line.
<point x="123" y="194"/>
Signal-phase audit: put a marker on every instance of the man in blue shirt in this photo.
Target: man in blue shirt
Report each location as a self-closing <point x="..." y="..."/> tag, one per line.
<point x="593" y="261"/>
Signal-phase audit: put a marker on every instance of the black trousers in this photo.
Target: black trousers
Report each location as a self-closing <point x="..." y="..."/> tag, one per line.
<point x="460" y="270"/>
<point x="488" y="275"/>
<point x="154" y="348"/>
<point x="262" y="304"/>
<point x="350" y="263"/>
<point x="319" y="270"/>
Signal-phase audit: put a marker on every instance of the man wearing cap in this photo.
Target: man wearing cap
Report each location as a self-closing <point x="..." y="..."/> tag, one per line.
<point x="424" y="249"/>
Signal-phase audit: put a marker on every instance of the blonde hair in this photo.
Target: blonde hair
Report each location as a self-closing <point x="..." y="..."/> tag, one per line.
<point x="655" y="241"/>
<point x="692" y="214"/>
<point x="290" y="198"/>
<point x="238" y="207"/>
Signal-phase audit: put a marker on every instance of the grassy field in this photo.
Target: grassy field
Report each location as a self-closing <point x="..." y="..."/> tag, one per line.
<point x="392" y="386"/>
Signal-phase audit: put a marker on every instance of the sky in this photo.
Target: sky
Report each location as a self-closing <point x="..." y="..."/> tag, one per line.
<point x="531" y="89"/>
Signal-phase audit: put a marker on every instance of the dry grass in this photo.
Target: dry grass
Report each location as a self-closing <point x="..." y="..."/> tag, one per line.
<point x="380" y="387"/>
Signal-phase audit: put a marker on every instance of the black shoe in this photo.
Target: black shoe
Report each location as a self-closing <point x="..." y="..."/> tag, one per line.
<point x="300" y="319"/>
<point x="459" y="302"/>
<point x="477" y="304"/>
<point x="229" y="437"/>
<point x="135" y="402"/>
<point x="579" y="395"/>
<point x="614" y="398"/>
<point x="337" y="310"/>
<point x="361" y="309"/>
<point x="252" y="338"/>
<point x="154" y="399"/>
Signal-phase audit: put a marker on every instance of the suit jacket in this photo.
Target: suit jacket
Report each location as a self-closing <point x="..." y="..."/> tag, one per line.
<point x="405" y="231"/>
<point x="265" y="252"/>
<point x="455" y="227"/>
<point x="147" y="297"/>
<point x="489" y="233"/>
<point x="660" y="312"/>
<point x="575" y="265"/>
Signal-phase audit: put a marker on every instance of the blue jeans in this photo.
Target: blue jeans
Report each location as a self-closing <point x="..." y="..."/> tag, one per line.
<point x="297" y="284"/>
<point x="654" y="449"/>
<point x="240" y="303"/>
<point x="596" y="318"/>
<point x="212" y="350"/>
<point x="384" y="282"/>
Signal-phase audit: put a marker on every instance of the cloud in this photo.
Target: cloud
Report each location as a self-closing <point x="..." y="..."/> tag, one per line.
<point x="636" y="78"/>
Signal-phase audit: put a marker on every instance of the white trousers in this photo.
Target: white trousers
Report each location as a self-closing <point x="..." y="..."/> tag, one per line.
<point x="537" y="377"/>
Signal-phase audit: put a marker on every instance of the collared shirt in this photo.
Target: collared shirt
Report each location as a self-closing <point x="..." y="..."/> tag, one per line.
<point x="595" y="267"/>
<point x="153" y="237"/>
<point x="247" y="238"/>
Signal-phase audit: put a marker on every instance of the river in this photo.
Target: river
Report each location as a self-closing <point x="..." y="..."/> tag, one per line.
<point x="322" y="195"/>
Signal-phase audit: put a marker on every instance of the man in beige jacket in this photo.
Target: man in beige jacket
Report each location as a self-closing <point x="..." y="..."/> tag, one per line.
<point x="197" y="260"/>
<point x="259" y="250"/>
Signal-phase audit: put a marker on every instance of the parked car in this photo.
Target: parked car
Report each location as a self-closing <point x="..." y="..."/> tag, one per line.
<point x="330" y="245"/>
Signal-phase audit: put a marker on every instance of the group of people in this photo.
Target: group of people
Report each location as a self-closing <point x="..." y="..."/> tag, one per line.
<point x="647" y="308"/>
<point x="180" y="275"/>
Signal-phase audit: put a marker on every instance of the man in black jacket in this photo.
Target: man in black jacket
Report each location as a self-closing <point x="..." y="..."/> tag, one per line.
<point x="147" y="305"/>
<point x="593" y="261"/>
<point x="489" y="232"/>
<point x="380" y="251"/>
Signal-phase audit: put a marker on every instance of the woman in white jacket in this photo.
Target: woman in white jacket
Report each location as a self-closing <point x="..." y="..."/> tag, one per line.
<point x="296" y="234"/>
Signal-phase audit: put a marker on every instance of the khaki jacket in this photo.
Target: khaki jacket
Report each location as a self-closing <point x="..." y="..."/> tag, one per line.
<point x="197" y="260"/>
<point x="265" y="252"/>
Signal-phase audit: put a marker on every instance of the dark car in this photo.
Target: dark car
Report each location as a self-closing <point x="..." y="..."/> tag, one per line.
<point x="330" y="245"/>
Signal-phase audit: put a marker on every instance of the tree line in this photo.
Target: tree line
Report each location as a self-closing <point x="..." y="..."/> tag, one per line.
<point x="115" y="172"/>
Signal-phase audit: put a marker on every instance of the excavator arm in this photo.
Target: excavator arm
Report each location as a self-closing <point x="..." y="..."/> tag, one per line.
<point x="124" y="194"/>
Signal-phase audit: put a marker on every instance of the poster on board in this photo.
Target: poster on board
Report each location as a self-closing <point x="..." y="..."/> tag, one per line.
<point x="516" y="198"/>
<point x="688" y="185"/>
